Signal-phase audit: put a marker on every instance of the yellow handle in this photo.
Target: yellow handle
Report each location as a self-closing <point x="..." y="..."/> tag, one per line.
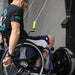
<point x="34" y="24"/>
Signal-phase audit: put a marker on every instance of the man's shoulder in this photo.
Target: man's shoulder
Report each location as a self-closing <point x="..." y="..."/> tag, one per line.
<point x="13" y="7"/>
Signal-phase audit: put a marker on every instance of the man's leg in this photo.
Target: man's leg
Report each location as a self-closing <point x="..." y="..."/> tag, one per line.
<point x="51" y="42"/>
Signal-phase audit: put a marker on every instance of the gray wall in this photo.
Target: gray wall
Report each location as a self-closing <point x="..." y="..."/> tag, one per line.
<point x="3" y="4"/>
<point x="49" y="21"/>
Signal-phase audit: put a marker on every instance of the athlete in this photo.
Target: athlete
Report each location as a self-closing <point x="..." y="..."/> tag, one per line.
<point x="11" y="26"/>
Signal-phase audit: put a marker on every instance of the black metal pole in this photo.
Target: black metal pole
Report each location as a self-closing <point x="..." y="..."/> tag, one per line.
<point x="73" y="27"/>
<point x="9" y="1"/>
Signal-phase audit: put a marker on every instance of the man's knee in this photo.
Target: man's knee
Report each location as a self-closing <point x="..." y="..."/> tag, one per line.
<point x="51" y="41"/>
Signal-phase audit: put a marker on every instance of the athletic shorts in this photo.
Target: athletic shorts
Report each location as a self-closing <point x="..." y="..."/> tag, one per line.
<point x="41" y="41"/>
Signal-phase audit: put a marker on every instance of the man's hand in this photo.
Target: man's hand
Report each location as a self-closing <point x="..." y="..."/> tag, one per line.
<point x="7" y="61"/>
<point x="45" y="53"/>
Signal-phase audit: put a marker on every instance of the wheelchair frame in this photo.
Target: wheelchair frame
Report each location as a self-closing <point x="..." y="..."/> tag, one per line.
<point x="37" y="48"/>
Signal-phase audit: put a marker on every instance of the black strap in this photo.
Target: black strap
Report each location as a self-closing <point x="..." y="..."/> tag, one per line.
<point x="9" y="55"/>
<point x="2" y="43"/>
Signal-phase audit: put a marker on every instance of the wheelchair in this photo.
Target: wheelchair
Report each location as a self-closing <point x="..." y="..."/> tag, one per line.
<point x="24" y="59"/>
<point x="61" y="61"/>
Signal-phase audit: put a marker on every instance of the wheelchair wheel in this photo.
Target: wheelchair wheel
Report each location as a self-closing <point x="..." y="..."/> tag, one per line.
<point x="24" y="60"/>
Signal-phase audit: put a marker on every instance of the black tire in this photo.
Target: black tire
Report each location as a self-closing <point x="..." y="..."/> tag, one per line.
<point x="24" y="66"/>
<point x="62" y="61"/>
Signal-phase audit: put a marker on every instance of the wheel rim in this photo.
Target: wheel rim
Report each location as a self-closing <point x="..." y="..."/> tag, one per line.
<point x="14" y="66"/>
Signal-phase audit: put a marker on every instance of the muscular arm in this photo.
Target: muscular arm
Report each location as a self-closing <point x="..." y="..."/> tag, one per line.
<point x="14" y="37"/>
<point x="1" y="40"/>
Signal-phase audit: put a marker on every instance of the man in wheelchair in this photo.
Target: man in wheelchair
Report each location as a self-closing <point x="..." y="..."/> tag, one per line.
<point x="45" y="42"/>
<point x="11" y="28"/>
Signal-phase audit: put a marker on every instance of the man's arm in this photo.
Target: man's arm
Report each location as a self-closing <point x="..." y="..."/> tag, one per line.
<point x="14" y="37"/>
<point x="1" y="40"/>
<point x="15" y="33"/>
